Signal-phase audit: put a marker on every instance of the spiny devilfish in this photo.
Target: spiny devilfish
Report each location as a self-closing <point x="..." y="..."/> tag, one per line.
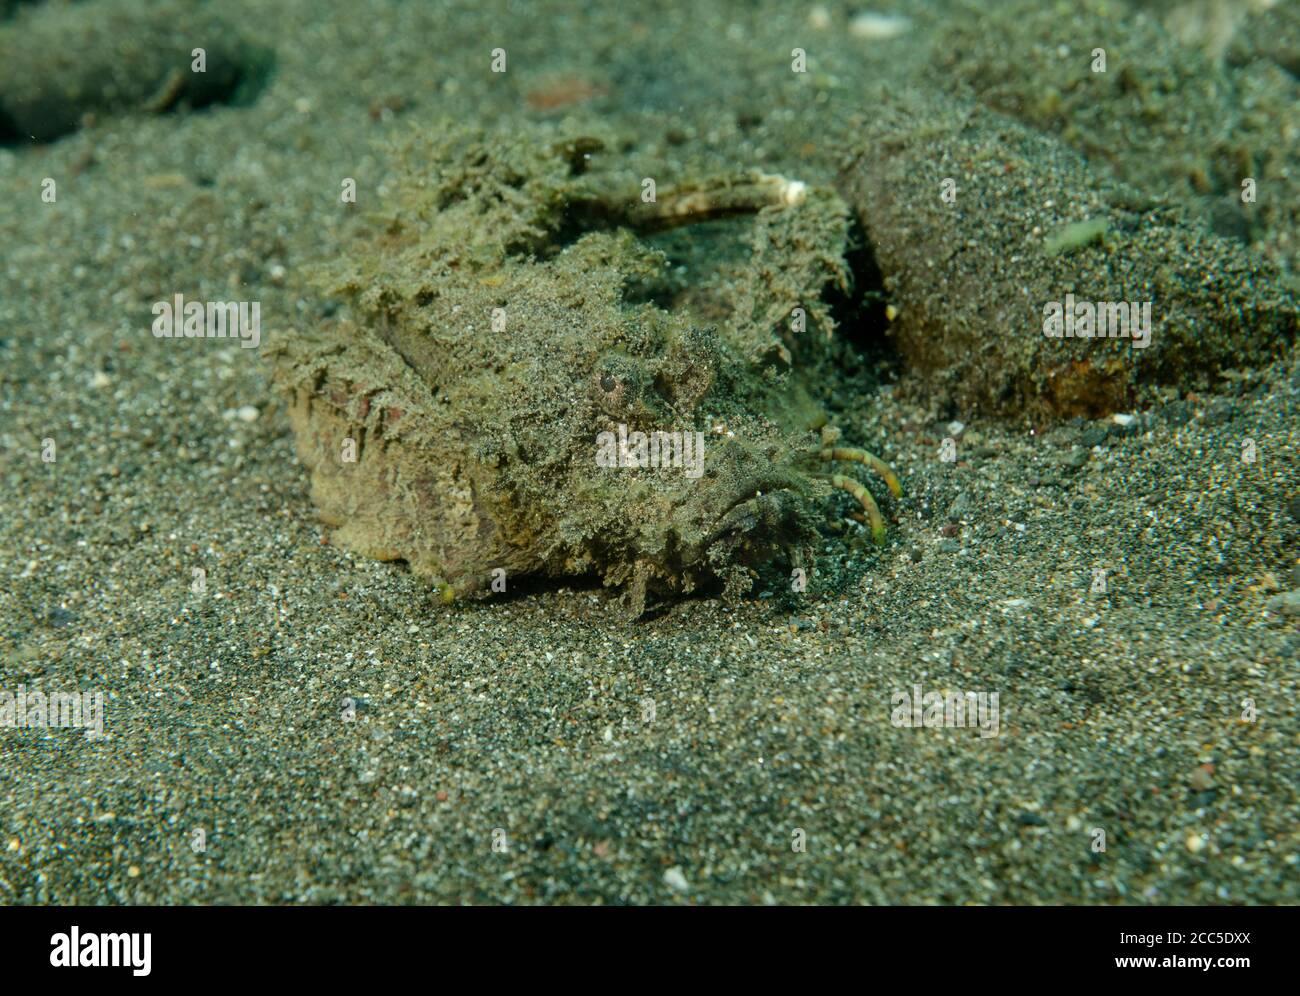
<point x="520" y="307"/>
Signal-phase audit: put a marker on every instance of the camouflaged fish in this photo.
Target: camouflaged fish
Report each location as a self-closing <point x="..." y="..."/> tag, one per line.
<point x="544" y="368"/>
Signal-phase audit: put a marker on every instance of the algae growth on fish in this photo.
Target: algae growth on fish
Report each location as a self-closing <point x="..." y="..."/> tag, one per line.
<point x="527" y="378"/>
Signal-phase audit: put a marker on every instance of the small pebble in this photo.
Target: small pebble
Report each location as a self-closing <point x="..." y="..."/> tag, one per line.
<point x="1287" y="603"/>
<point x="877" y="27"/>
<point x="675" y="880"/>
<point x="1076" y="458"/>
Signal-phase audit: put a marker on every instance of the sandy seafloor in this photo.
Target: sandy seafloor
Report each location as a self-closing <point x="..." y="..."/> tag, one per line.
<point x="1119" y="710"/>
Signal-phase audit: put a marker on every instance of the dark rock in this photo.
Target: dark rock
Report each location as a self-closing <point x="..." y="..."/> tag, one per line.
<point x="65" y="62"/>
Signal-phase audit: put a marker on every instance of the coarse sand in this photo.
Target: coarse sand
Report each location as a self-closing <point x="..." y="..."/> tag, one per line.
<point x="316" y="727"/>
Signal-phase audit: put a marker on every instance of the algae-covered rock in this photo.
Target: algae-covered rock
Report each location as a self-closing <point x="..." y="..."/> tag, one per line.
<point x="1271" y="31"/>
<point x="61" y="63"/>
<point x="1147" y="95"/>
<point x="523" y="383"/>
<point x="988" y="232"/>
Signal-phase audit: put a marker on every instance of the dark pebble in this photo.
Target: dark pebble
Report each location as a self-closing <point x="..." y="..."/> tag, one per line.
<point x="59" y="617"/>
<point x="1094" y="435"/>
<point x="1177" y="413"/>
<point x="1123" y="431"/>
<point x="1220" y="412"/>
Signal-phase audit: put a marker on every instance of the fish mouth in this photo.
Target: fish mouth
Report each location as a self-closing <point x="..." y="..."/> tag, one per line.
<point x="762" y="509"/>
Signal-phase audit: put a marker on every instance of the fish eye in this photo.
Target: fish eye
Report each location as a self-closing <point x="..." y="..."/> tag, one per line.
<point x="608" y="383"/>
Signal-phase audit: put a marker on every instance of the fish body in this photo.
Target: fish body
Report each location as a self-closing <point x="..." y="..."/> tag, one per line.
<point x="521" y="382"/>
